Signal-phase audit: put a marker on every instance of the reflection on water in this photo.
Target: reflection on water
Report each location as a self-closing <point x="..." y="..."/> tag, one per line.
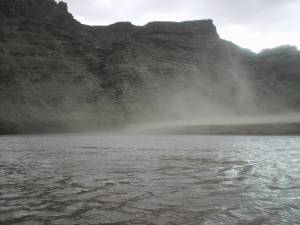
<point x="107" y="179"/>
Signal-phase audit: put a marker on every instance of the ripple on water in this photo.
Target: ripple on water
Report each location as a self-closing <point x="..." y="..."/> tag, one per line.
<point x="107" y="179"/>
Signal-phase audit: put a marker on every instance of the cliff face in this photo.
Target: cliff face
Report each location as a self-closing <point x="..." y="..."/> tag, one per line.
<point x="57" y="73"/>
<point x="278" y="78"/>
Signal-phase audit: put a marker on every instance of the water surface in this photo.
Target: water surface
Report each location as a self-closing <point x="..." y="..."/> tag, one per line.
<point x="143" y="179"/>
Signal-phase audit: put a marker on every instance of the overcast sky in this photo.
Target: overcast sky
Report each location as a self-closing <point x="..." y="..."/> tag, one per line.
<point x="253" y="24"/>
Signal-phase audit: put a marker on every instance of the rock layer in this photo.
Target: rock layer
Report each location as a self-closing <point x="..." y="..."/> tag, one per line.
<point x="59" y="74"/>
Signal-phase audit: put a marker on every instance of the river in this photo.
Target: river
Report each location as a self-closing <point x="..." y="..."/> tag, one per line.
<point x="99" y="178"/>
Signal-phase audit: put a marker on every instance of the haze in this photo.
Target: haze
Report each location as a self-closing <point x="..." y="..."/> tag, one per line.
<point x="255" y="24"/>
<point x="59" y="75"/>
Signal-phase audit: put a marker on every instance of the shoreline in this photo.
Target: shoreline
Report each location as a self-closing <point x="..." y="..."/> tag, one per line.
<point x="288" y="128"/>
<point x="281" y="128"/>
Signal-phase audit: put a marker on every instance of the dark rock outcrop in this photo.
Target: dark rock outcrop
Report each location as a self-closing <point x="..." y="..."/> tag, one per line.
<point x="56" y="73"/>
<point x="278" y="80"/>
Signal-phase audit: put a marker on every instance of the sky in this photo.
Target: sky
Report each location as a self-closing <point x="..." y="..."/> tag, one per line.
<point x="252" y="24"/>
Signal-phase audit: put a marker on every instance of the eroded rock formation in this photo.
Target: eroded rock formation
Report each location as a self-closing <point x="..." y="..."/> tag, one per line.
<point x="56" y="73"/>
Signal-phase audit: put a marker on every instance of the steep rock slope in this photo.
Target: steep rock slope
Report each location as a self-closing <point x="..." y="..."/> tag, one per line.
<point x="278" y="78"/>
<point x="59" y="74"/>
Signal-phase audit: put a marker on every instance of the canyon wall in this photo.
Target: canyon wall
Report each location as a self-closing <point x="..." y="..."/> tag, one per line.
<point x="58" y="74"/>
